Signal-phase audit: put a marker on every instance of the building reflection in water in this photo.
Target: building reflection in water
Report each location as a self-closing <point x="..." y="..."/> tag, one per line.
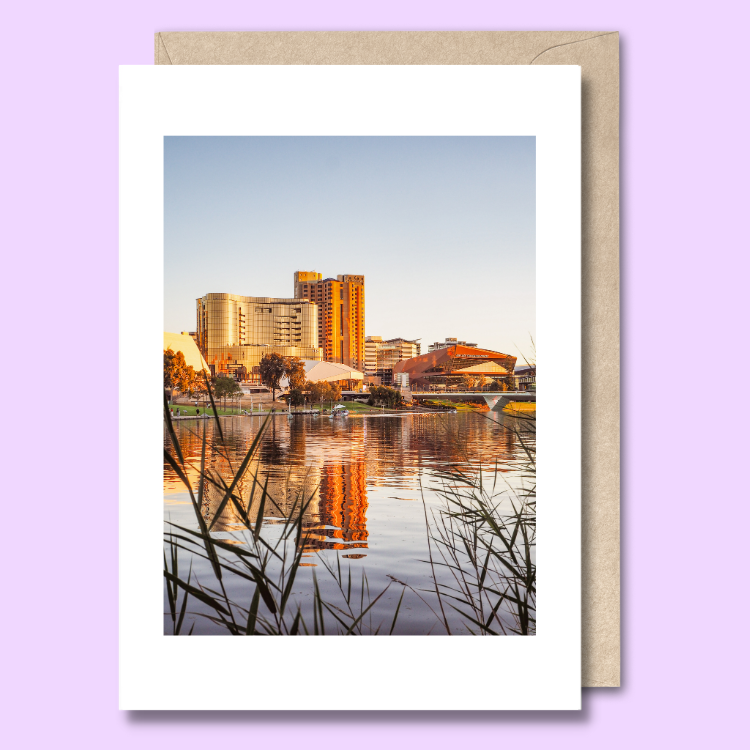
<point x="342" y="503"/>
<point x="332" y="485"/>
<point x="328" y="466"/>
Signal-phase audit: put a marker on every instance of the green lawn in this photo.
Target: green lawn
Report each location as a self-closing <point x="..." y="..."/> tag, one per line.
<point x="457" y="405"/>
<point x="190" y="409"/>
<point x="357" y="408"/>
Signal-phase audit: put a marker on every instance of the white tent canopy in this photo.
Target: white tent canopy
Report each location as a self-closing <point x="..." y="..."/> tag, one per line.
<point x="317" y="371"/>
<point x="183" y="342"/>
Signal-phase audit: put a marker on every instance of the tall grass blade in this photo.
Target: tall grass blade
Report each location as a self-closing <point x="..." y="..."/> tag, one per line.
<point x="170" y="429"/>
<point x="395" y="614"/>
<point x="239" y="474"/>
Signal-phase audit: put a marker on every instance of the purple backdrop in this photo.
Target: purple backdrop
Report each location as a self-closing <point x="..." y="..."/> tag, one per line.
<point x="684" y="279"/>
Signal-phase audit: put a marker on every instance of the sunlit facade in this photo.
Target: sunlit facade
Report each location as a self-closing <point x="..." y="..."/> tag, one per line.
<point x="340" y="314"/>
<point x="381" y="356"/>
<point x="333" y="485"/>
<point x="449" y="368"/>
<point x="234" y="332"/>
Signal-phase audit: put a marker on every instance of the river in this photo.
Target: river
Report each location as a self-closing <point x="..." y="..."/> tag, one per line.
<point x="370" y="481"/>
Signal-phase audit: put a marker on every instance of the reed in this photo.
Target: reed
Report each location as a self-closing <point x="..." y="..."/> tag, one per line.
<point x="263" y="567"/>
<point x="481" y="553"/>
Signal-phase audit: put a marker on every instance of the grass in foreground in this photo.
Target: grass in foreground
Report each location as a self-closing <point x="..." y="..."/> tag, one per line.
<point x="481" y="556"/>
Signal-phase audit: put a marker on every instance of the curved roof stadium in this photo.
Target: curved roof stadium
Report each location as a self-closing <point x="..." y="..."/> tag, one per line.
<point x="446" y="367"/>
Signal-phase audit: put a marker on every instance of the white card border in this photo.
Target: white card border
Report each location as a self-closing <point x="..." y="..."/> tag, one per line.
<point x="398" y="672"/>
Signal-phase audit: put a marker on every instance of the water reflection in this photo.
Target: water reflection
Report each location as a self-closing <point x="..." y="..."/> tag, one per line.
<point x="333" y="466"/>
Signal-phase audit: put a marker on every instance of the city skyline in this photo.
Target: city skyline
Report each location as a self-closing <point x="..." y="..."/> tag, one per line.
<point x="443" y="229"/>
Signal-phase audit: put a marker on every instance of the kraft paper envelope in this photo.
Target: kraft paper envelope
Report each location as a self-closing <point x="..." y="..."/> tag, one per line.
<point x="598" y="55"/>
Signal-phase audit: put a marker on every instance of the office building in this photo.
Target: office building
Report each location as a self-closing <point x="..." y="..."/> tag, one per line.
<point x="235" y="332"/>
<point x="381" y="356"/>
<point x="525" y="378"/>
<point x="448" y="368"/>
<point x="341" y="315"/>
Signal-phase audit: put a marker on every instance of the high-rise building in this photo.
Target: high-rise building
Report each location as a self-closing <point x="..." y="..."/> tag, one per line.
<point x="341" y="314"/>
<point x="372" y="343"/>
<point x="381" y="356"/>
<point x="235" y="332"/>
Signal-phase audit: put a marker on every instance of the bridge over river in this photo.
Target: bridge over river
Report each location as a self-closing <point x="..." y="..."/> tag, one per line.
<point x="495" y="400"/>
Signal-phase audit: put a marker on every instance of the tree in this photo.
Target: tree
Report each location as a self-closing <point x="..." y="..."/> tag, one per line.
<point x="318" y="392"/>
<point x="504" y="384"/>
<point x="482" y="381"/>
<point x="177" y="373"/>
<point x="332" y="392"/>
<point x="200" y="390"/>
<point x="294" y="369"/>
<point x="272" y="369"/>
<point x="390" y="397"/>
<point x="296" y="397"/>
<point x="226" y="387"/>
<point x="468" y="382"/>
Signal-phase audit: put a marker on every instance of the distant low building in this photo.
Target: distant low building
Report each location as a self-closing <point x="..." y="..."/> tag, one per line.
<point x="525" y="378"/>
<point x="401" y="380"/>
<point x="448" y="368"/>
<point x="381" y="356"/>
<point x="448" y="342"/>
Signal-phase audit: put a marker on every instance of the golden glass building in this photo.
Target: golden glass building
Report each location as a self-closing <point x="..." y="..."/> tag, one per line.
<point x="235" y="332"/>
<point x="341" y="314"/>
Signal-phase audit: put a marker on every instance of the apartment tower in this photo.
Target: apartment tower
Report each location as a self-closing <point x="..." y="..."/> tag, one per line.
<point x="341" y="315"/>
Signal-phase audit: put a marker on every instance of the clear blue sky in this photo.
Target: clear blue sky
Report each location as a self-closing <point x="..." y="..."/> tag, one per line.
<point x="443" y="228"/>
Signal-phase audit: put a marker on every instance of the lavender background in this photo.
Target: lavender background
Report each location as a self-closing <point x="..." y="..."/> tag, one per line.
<point x="685" y="286"/>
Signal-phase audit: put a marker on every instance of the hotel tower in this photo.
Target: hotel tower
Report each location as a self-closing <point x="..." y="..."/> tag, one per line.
<point x="341" y="315"/>
<point x="234" y="332"/>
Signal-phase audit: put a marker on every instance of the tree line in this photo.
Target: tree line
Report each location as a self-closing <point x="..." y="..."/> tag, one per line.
<point x="183" y="377"/>
<point x="482" y="381"/>
<point x="272" y="369"/>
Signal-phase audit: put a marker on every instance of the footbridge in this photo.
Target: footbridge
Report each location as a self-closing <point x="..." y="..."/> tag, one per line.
<point x="497" y="401"/>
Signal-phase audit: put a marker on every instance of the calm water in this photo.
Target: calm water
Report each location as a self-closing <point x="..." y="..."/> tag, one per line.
<point x="367" y="477"/>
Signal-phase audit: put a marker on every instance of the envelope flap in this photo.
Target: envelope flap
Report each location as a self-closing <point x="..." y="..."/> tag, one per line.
<point x="360" y="47"/>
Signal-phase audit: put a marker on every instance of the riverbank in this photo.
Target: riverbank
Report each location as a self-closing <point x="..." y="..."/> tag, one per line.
<point x="354" y="408"/>
<point x="281" y="409"/>
<point x="470" y="406"/>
